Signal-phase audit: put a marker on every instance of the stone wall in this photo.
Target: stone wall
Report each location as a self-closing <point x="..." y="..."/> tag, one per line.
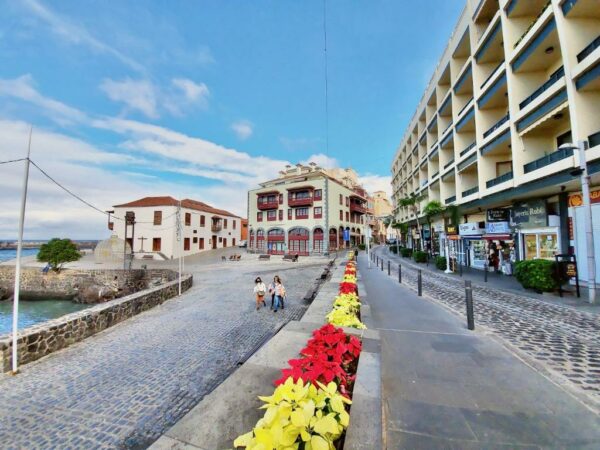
<point x="47" y="337"/>
<point x="64" y="285"/>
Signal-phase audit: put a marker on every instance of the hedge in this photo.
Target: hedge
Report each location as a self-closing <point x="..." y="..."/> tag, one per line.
<point x="537" y="274"/>
<point x="440" y="262"/>
<point x="420" y="257"/>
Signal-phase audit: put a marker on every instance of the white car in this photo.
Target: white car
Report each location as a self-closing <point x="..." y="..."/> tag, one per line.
<point x="242" y="244"/>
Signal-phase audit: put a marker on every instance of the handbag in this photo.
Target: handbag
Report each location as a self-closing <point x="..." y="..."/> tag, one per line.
<point x="260" y="293"/>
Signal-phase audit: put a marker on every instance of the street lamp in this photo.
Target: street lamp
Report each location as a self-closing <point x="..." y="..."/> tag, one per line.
<point x="587" y="211"/>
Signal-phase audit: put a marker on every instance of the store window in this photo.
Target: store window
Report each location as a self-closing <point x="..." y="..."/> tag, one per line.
<point x="540" y="245"/>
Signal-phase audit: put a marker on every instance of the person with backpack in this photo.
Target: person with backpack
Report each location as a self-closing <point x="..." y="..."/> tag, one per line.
<point x="280" y="293"/>
<point x="259" y="291"/>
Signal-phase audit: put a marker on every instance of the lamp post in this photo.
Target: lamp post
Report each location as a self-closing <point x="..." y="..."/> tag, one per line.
<point x="447" y="254"/>
<point x="587" y="211"/>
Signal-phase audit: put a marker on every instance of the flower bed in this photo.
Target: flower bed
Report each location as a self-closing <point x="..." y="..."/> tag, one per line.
<point x="309" y="407"/>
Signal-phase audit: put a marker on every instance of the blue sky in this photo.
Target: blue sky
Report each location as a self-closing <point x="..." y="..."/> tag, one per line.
<point x="202" y="99"/>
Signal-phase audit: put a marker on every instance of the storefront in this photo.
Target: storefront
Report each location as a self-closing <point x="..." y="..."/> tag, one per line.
<point x="498" y="235"/>
<point x="577" y="237"/>
<point x="538" y="231"/>
<point x="473" y="244"/>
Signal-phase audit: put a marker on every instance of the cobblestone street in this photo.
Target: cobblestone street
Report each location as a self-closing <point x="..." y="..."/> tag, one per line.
<point x="564" y="340"/>
<point x="124" y="387"/>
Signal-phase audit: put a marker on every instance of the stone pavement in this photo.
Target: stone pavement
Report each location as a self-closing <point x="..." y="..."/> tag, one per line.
<point x="124" y="387"/>
<point x="559" y="338"/>
<point x="445" y="387"/>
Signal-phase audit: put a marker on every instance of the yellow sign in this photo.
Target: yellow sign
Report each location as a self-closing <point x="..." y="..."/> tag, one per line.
<point x="577" y="199"/>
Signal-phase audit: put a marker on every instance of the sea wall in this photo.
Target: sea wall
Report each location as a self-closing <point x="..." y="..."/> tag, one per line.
<point x="66" y="284"/>
<point x="47" y="337"/>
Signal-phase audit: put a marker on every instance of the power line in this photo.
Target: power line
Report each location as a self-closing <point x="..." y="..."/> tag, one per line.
<point x="326" y="80"/>
<point x="12" y="161"/>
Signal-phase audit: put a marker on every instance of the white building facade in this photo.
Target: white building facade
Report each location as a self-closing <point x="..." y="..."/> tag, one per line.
<point x="307" y="210"/>
<point x="155" y="231"/>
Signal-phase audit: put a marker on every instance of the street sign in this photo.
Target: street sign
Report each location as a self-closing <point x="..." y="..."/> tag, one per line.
<point x="346" y="235"/>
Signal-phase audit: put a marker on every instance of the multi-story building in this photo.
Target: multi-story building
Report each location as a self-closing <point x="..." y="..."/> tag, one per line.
<point x="517" y="80"/>
<point x="307" y="210"/>
<point x="382" y="212"/>
<point x="155" y="228"/>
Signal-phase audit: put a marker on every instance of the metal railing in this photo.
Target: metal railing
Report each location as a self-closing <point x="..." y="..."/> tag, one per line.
<point x="450" y="199"/>
<point x="544" y="87"/>
<point x="471" y="191"/>
<point x="496" y="125"/>
<point x="501" y="179"/>
<point x="464" y="107"/>
<point x="491" y="74"/>
<point x="588" y="50"/>
<point x="448" y="164"/>
<point x="548" y="159"/>
<point x="466" y="150"/>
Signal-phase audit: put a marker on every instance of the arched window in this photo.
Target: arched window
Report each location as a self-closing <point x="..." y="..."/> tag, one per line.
<point x="251" y="243"/>
<point x="260" y="240"/>
<point x="298" y="241"/>
<point x="276" y="241"/>
<point x="333" y="240"/>
<point x="318" y="240"/>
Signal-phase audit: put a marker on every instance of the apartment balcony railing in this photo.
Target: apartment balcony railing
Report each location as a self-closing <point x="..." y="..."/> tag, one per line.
<point x="464" y="107"/>
<point x="501" y="179"/>
<point x="435" y="175"/>
<point x="548" y="159"/>
<point x="588" y="50"/>
<point x="448" y="164"/>
<point x="471" y="191"/>
<point x="496" y="125"/>
<point x="468" y="149"/>
<point x="533" y="22"/>
<point x="301" y="201"/>
<point x="268" y="205"/>
<point x="450" y="200"/>
<point x="354" y="207"/>
<point x="491" y="74"/>
<point x="544" y="87"/>
<point x="216" y="227"/>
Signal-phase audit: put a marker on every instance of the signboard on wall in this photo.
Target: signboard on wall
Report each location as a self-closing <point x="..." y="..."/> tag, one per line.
<point x="469" y="229"/>
<point x="451" y="230"/>
<point x="498" y="215"/>
<point x="347" y="235"/>
<point x="497" y="228"/>
<point x="531" y="214"/>
<point x="576" y="200"/>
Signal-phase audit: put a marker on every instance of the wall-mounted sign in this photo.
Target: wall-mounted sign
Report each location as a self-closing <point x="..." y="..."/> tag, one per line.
<point x="497" y="227"/>
<point x="451" y="230"/>
<point x="531" y="214"/>
<point x="498" y="215"/>
<point x="469" y="229"/>
<point x="347" y="235"/>
<point x="577" y="199"/>
<point x="571" y="231"/>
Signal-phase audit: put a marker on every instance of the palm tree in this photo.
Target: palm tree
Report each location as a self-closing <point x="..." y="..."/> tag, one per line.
<point x="412" y="202"/>
<point x="432" y="209"/>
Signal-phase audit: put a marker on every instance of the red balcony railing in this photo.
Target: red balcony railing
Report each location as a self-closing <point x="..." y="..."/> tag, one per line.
<point x="274" y="204"/>
<point x="216" y="227"/>
<point x="355" y="207"/>
<point x="302" y="201"/>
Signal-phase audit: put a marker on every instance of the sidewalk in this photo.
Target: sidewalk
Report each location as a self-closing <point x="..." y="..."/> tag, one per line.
<point x="445" y="387"/>
<point x="505" y="283"/>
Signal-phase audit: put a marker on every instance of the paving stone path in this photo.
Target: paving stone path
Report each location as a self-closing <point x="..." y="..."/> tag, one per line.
<point x="565" y="340"/>
<point x="126" y="386"/>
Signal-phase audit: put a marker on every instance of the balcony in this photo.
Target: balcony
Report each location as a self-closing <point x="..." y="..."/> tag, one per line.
<point x="468" y="149"/>
<point x="544" y="87"/>
<point x="496" y="125"/>
<point x="300" y="201"/>
<point x="448" y="164"/>
<point x="588" y="50"/>
<point x="501" y="179"/>
<point x="263" y="205"/>
<point x="548" y="159"/>
<point x="471" y="191"/>
<point x="216" y="227"/>
<point x="491" y="75"/>
<point x="450" y="200"/>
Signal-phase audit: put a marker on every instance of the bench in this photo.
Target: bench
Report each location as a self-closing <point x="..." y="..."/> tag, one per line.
<point x="264" y="257"/>
<point x="290" y="257"/>
<point x="148" y="257"/>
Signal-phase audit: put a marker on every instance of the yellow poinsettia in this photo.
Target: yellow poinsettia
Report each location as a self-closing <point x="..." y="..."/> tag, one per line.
<point x="343" y="317"/>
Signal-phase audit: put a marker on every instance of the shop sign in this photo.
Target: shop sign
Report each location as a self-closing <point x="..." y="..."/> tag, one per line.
<point x="469" y="229"/>
<point x="498" y="215"/>
<point x="438" y="228"/>
<point x="570" y="224"/>
<point x="497" y="228"/>
<point x="531" y="214"/>
<point x="346" y="235"/>
<point x="451" y="230"/>
<point x="415" y="234"/>
<point x="577" y="199"/>
<point x="426" y="233"/>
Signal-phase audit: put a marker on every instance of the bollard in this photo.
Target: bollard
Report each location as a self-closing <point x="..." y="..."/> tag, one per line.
<point x="389" y="269"/>
<point x="419" y="284"/>
<point x="382" y="264"/>
<point x="399" y="273"/>
<point x="469" y="301"/>
<point x="485" y="271"/>
<point x="460" y="268"/>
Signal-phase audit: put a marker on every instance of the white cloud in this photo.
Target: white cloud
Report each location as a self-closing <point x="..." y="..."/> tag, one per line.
<point x="374" y="183"/>
<point x="23" y="88"/>
<point x="243" y="129"/>
<point x="77" y="34"/>
<point x="322" y="160"/>
<point x="192" y="91"/>
<point x="137" y="95"/>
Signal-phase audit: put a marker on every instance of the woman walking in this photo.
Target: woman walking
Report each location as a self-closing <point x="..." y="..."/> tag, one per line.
<point x="260" y="291"/>
<point x="279" y="293"/>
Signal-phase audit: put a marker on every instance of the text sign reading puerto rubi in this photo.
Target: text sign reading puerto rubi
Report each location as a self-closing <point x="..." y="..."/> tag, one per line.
<point x="531" y="214"/>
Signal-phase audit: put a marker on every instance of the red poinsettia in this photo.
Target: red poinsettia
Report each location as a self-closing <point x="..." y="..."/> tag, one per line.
<point x="348" y="288"/>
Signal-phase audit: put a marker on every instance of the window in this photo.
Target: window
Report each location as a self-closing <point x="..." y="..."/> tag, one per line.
<point x="281" y="214"/>
<point x="156" y="243"/>
<point x="233" y="242"/>
<point x="201" y="245"/>
<point x="347" y="216"/>
<point x="259" y="216"/>
<point x="233" y="224"/>
<point x="301" y="213"/>
<point x="318" y="194"/>
<point x="272" y="215"/>
<point x="281" y="199"/>
<point x="186" y="244"/>
<point x="565" y="138"/>
<point x="290" y="214"/>
<point x="347" y="201"/>
<point x="341" y="215"/>
<point x="157" y="217"/>
<point x="202" y="221"/>
<point x="188" y="219"/>
<point x="195" y="240"/>
<point x="341" y="199"/>
<point x="318" y="212"/>
<point x="224" y="223"/>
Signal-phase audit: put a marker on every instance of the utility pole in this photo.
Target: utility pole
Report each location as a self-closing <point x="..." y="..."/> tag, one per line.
<point x="15" y="324"/>
<point x="368" y="235"/>
<point x="589" y="236"/>
<point x="179" y="239"/>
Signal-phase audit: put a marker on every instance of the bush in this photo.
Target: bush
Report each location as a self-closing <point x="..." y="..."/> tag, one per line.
<point x="394" y="249"/>
<point x="440" y="262"/>
<point x="362" y="246"/>
<point x="420" y="257"/>
<point x="406" y="252"/>
<point x="537" y="274"/>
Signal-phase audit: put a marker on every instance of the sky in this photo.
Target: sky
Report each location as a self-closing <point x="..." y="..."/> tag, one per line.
<point x="201" y="99"/>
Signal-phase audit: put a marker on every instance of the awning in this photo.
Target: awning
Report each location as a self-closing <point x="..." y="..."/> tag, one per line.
<point x="497" y="237"/>
<point x="475" y="237"/>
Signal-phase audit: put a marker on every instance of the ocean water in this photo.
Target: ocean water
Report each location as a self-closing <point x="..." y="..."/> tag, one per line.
<point x="8" y="254"/>
<point x="35" y="311"/>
